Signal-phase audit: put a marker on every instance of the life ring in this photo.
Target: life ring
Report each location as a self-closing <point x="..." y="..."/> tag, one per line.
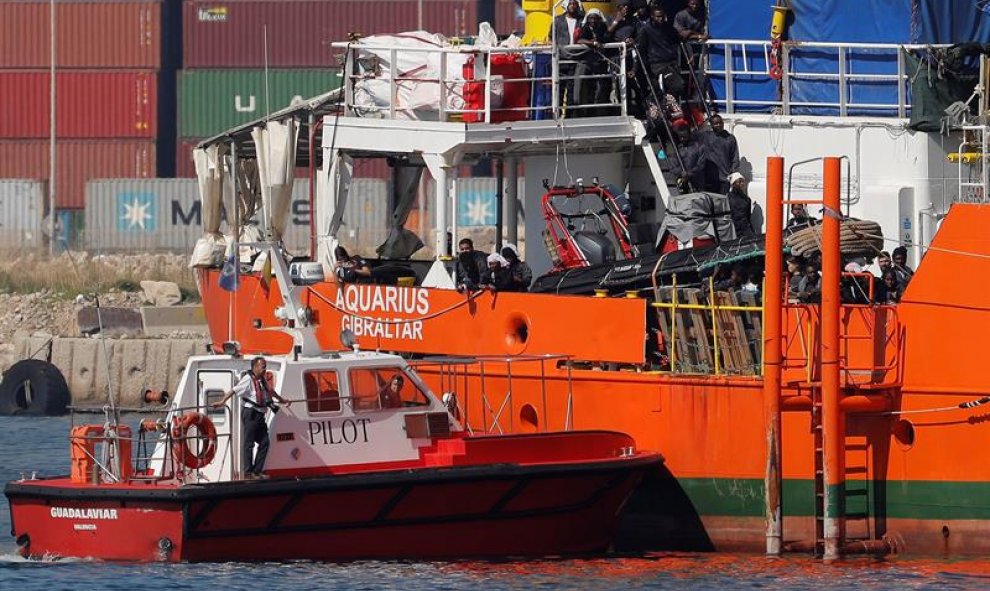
<point x="180" y="440"/>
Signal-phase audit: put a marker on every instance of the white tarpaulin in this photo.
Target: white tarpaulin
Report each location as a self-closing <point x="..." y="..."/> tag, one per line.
<point x="275" y="145"/>
<point x="417" y="68"/>
<point x="331" y="200"/>
<point x="209" y="172"/>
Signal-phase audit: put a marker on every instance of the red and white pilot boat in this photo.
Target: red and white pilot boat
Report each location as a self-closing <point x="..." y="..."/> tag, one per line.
<point x="349" y="474"/>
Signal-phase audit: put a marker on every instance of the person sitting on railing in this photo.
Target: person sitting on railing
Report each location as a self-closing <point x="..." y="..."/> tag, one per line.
<point x="723" y="156"/>
<point x="658" y="44"/>
<point x="564" y="31"/>
<point x="690" y="22"/>
<point x="592" y="84"/>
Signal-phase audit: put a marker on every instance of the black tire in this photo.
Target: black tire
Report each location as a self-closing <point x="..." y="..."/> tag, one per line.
<point x="33" y="387"/>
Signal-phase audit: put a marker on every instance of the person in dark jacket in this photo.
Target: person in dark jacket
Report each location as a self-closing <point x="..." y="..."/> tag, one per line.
<point x="497" y="276"/>
<point x="690" y="22"/>
<point x="593" y="85"/>
<point x="565" y="30"/>
<point x="522" y="275"/>
<point x="659" y="48"/>
<point x="901" y="270"/>
<point x="723" y="156"/>
<point x="471" y="265"/>
<point x="740" y="206"/>
<point x="688" y="166"/>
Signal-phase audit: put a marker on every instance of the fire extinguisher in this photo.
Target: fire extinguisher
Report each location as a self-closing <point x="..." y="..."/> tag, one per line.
<point x="777" y="26"/>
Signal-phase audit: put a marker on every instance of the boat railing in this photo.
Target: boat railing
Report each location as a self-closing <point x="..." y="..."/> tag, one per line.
<point x="871" y="345"/>
<point x="477" y="84"/>
<point x="844" y="79"/>
<point x="705" y="331"/>
<point x="489" y="380"/>
<point x="971" y="160"/>
<point x="112" y="453"/>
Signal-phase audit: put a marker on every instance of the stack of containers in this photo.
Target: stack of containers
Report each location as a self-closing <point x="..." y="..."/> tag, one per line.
<point x="222" y="83"/>
<point x="108" y="61"/>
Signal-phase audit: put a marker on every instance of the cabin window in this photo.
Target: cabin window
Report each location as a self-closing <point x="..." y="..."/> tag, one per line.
<point x="375" y="388"/>
<point x="322" y="391"/>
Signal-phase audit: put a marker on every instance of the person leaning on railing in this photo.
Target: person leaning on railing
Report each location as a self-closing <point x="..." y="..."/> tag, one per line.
<point x="592" y="84"/>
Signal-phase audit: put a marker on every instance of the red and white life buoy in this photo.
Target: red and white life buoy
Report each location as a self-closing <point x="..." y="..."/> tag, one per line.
<point x="183" y="453"/>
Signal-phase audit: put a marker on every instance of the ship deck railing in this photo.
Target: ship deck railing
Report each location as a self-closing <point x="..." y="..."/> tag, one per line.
<point x="740" y="73"/>
<point x="440" y="75"/>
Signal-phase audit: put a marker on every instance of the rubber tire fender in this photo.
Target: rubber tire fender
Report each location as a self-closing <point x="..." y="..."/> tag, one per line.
<point x="49" y="392"/>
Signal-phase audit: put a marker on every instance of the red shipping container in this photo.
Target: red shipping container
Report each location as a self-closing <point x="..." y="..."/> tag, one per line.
<point x="90" y="104"/>
<point x="124" y="34"/>
<point x="231" y="34"/>
<point x="77" y="162"/>
<point x="365" y="168"/>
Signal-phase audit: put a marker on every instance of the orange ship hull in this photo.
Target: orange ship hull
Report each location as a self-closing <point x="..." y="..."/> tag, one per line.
<point x="913" y="479"/>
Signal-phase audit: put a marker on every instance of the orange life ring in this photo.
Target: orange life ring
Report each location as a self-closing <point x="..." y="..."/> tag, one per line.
<point x="180" y="440"/>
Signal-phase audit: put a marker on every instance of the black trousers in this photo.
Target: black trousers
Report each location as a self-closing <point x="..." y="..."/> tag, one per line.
<point x="253" y="430"/>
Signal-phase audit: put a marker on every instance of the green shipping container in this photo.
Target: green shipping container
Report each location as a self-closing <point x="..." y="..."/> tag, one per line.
<point x="211" y="101"/>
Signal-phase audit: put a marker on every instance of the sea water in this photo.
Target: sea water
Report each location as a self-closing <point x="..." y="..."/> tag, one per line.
<point x="35" y="444"/>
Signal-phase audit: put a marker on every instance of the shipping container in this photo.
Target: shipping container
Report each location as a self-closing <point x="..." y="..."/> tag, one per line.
<point x="167" y="215"/>
<point x="90" y="34"/>
<point x="212" y="101"/>
<point x="22" y="207"/>
<point x="77" y="161"/>
<point x="105" y="104"/>
<point x="231" y="34"/>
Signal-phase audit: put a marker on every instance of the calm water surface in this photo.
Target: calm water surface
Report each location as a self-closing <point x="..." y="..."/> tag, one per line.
<point x="41" y="444"/>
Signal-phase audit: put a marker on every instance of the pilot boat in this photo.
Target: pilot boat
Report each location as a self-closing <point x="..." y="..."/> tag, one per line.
<point x="355" y="470"/>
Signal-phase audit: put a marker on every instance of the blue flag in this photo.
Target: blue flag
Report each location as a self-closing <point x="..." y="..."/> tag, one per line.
<point x="230" y="273"/>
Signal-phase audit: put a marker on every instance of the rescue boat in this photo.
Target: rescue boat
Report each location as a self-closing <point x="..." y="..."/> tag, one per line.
<point x="351" y="473"/>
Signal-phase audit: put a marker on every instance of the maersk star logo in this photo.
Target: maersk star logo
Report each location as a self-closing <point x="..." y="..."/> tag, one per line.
<point x="136" y="212"/>
<point x="477" y="209"/>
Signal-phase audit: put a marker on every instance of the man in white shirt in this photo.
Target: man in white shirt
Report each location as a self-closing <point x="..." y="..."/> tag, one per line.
<point x="257" y="396"/>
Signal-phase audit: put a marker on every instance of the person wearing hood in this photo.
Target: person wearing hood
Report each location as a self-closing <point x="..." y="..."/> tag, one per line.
<point x="592" y="84"/>
<point x="740" y="206"/>
<point x="497" y="277"/>
<point x="519" y="271"/>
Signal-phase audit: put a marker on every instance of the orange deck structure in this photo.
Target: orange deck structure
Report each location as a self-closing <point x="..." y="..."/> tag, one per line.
<point x="909" y="477"/>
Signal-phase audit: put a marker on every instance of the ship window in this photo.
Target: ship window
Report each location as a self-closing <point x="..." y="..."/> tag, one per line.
<point x="375" y="388"/>
<point x="322" y="391"/>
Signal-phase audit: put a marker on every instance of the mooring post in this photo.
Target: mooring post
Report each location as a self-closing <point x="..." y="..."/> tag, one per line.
<point x="772" y="353"/>
<point x="832" y="419"/>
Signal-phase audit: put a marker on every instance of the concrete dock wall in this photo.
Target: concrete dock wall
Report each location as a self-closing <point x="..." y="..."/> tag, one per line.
<point x="134" y="365"/>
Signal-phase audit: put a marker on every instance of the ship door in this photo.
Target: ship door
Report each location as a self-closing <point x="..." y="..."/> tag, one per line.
<point x="212" y="385"/>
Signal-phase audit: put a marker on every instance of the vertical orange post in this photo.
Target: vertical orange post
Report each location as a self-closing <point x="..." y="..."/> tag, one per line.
<point x="832" y="420"/>
<point x="773" y="301"/>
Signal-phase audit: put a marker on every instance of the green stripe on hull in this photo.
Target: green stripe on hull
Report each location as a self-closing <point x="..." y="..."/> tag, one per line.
<point x="909" y="499"/>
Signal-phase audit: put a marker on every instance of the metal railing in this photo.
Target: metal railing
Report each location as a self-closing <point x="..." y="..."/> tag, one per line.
<point x="438" y="87"/>
<point x="971" y="160"/>
<point x="707" y="332"/>
<point x="492" y="377"/>
<point x="874" y="68"/>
